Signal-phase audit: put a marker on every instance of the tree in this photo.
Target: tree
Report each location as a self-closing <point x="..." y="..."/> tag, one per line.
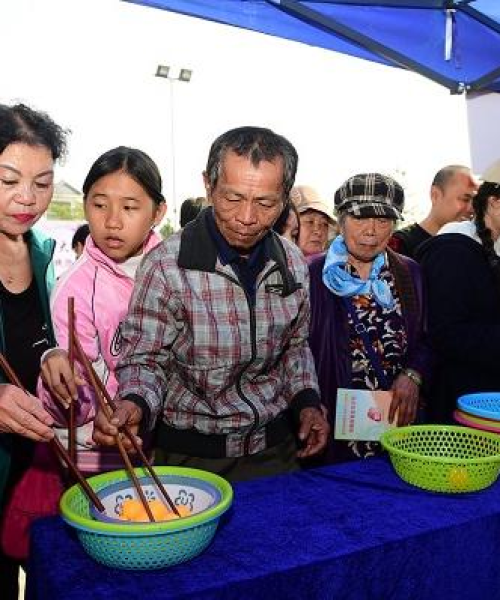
<point x="167" y="230"/>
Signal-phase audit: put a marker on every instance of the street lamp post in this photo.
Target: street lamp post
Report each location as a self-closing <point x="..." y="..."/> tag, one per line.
<point x="172" y="75"/>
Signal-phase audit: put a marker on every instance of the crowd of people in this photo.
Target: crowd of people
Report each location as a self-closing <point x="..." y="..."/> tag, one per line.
<point x="225" y="345"/>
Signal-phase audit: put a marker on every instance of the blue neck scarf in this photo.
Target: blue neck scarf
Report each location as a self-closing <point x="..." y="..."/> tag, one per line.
<point x="342" y="283"/>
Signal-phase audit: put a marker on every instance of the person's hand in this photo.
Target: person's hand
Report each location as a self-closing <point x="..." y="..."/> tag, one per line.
<point x="405" y="394"/>
<point x="60" y="378"/>
<point x="106" y="430"/>
<point x="23" y="414"/>
<point x="313" y="431"/>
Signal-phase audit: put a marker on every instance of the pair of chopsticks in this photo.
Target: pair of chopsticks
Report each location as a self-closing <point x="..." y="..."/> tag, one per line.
<point x="108" y="407"/>
<point x="56" y="444"/>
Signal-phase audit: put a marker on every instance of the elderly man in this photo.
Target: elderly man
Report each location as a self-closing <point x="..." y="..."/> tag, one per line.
<point x="215" y="349"/>
<point x="452" y="190"/>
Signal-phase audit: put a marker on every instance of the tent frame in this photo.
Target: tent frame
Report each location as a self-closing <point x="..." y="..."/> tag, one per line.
<point x="312" y="17"/>
<point x="377" y="51"/>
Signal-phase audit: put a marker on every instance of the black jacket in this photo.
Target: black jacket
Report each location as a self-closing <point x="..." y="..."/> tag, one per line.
<point x="463" y="320"/>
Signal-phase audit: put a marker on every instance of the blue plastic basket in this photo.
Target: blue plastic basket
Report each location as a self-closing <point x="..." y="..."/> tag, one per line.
<point x="482" y="404"/>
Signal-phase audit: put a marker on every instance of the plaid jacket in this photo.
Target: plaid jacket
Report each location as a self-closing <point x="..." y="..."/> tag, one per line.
<point x="197" y="351"/>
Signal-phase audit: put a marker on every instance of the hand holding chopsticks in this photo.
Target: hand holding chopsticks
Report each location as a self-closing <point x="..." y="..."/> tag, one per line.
<point x="107" y="405"/>
<point x="58" y="447"/>
<point x="107" y="427"/>
<point x="104" y="407"/>
<point x="24" y="415"/>
<point x="59" y="378"/>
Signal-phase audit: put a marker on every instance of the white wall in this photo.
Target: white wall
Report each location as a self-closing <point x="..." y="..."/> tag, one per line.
<point x="484" y="129"/>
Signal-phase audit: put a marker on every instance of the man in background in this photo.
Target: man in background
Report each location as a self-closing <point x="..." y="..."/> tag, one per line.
<point x="190" y="209"/>
<point x="79" y="237"/>
<point x="452" y="190"/>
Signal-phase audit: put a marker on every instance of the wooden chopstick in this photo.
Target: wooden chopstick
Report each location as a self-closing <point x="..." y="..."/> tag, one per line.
<point x="130" y="470"/>
<point x="91" y="495"/>
<point x="71" y="357"/>
<point x="55" y="442"/>
<point x="107" y="403"/>
<point x="107" y="410"/>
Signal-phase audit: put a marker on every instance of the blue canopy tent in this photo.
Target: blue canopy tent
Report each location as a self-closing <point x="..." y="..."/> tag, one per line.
<point x="454" y="43"/>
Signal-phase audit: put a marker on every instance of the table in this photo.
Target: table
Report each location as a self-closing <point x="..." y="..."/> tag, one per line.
<point x="349" y="531"/>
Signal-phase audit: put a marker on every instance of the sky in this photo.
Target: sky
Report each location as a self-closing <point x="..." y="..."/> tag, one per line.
<point x="91" y="64"/>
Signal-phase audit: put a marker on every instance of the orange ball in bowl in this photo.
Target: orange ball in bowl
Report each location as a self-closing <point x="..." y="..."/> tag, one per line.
<point x="184" y="511"/>
<point x="133" y="510"/>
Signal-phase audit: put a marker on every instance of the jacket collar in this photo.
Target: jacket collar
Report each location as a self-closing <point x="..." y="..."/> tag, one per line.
<point x="41" y="250"/>
<point x="257" y="258"/>
<point x="41" y="246"/>
<point x="97" y="255"/>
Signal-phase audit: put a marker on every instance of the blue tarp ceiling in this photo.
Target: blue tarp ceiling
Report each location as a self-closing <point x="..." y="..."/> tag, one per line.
<point x="455" y="43"/>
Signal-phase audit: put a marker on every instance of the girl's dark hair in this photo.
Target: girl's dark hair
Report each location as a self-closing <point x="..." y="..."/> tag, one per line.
<point x="22" y="124"/>
<point x="480" y="205"/>
<point x="135" y="163"/>
<point x="258" y="144"/>
<point x="280" y="223"/>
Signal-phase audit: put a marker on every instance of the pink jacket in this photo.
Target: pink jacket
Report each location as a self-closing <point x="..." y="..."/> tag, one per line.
<point x="101" y="292"/>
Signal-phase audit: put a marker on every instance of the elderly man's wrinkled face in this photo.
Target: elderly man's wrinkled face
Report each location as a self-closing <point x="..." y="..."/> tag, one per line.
<point x="247" y="199"/>
<point x="366" y="237"/>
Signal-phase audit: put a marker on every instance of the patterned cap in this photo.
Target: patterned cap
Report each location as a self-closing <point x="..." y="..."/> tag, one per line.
<point x="307" y="198"/>
<point x="370" y="195"/>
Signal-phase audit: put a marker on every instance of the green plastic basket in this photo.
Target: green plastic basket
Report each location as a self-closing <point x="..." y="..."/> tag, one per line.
<point x="444" y="458"/>
<point x="142" y="546"/>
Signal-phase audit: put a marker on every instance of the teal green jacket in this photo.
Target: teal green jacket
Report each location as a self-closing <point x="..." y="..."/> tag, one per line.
<point x="41" y="252"/>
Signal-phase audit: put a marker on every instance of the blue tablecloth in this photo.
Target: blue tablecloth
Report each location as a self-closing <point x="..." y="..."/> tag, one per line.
<point x="350" y="531"/>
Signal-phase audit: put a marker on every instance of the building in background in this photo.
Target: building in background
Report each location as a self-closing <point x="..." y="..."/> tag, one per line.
<point x="67" y="203"/>
<point x="63" y="217"/>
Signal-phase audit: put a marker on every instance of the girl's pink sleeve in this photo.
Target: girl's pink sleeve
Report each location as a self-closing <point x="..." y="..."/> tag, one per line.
<point x="87" y="335"/>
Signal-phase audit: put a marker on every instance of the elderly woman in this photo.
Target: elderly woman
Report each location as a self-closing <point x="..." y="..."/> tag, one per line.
<point x="317" y="226"/>
<point x="461" y="267"/>
<point x="367" y="310"/>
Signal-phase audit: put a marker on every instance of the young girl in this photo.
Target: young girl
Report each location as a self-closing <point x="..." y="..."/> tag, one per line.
<point x="122" y="203"/>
